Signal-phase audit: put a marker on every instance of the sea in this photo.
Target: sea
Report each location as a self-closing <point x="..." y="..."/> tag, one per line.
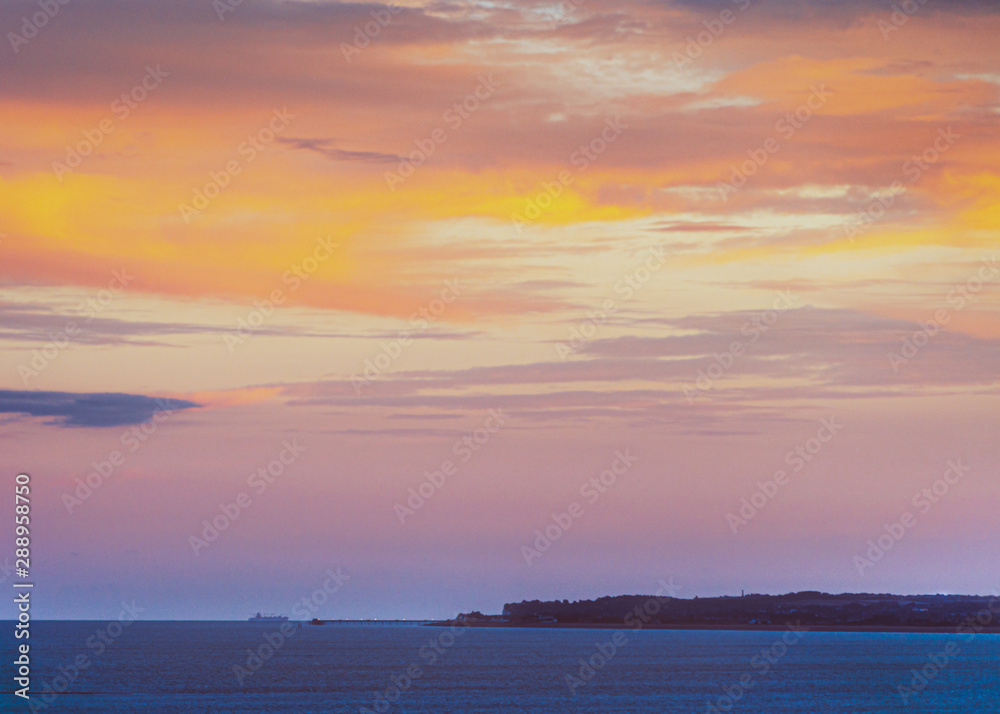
<point x="176" y="667"/>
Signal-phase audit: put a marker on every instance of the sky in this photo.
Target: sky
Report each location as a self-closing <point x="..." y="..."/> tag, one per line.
<point x="475" y="302"/>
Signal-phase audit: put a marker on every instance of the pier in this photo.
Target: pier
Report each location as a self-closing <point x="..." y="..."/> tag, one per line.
<point x="387" y="623"/>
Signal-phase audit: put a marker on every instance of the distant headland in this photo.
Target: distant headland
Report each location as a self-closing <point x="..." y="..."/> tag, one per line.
<point x="857" y="612"/>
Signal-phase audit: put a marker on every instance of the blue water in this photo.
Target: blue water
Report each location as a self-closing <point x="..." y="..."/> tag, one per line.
<point x="189" y="667"/>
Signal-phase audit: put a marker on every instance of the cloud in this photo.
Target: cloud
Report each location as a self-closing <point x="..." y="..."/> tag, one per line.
<point x="695" y="227"/>
<point x="831" y="348"/>
<point x="324" y="148"/>
<point x="809" y="355"/>
<point x="36" y="322"/>
<point x="68" y="409"/>
<point x="845" y="10"/>
<point x="453" y="216"/>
